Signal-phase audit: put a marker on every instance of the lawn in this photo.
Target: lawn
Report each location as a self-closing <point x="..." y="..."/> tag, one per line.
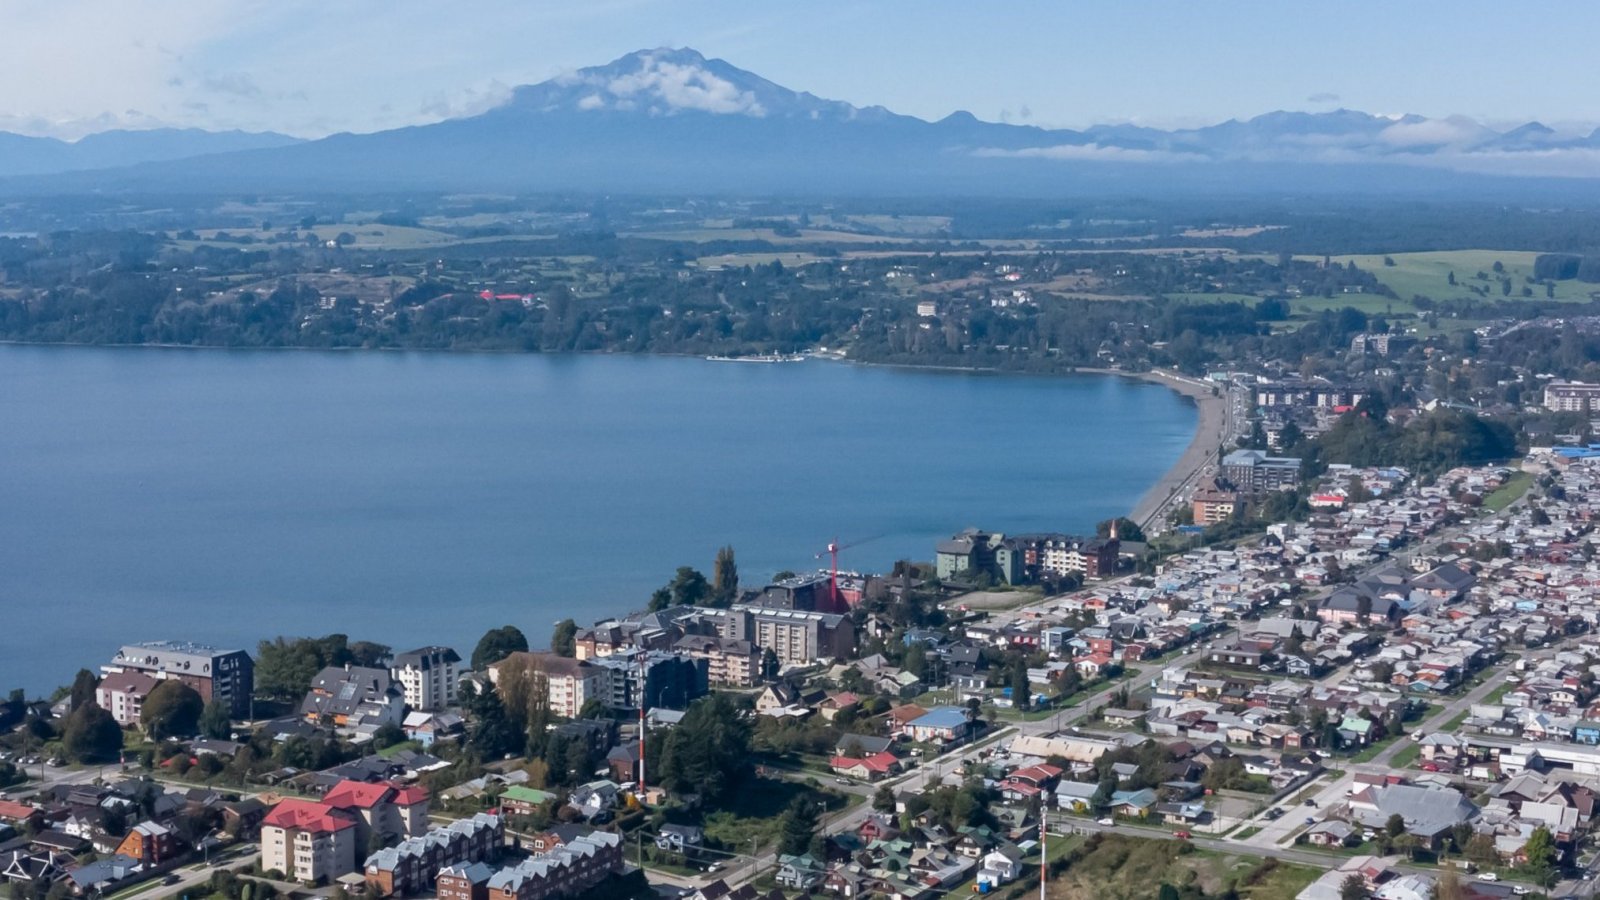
<point x="1496" y="695"/>
<point x="1456" y="721"/>
<point x="1508" y="493"/>
<point x="1128" y="868"/>
<point x="1405" y="756"/>
<point x="755" y="811"/>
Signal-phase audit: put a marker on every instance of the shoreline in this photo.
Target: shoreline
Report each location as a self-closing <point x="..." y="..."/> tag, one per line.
<point x="1208" y="434"/>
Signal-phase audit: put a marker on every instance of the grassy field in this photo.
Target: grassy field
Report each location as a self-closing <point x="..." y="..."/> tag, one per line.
<point x="756" y="811"/>
<point x="1124" y="868"/>
<point x="1456" y="721"/>
<point x="1508" y="493"/>
<point x="1405" y="756"/>
<point x="1428" y="274"/>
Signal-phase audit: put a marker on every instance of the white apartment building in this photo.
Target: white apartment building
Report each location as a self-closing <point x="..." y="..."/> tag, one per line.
<point x="428" y="677"/>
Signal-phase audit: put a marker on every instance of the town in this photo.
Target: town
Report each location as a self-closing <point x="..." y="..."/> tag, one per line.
<point x="1396" y="688"/>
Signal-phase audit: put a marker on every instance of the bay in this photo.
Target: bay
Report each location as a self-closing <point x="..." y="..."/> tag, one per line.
<point x="413" y="498"/>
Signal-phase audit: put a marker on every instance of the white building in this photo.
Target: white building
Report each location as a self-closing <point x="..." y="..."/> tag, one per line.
<point x="428" y="676"/>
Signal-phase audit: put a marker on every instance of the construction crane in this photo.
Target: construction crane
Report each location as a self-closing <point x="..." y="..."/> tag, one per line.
<point x="835" y="601"/>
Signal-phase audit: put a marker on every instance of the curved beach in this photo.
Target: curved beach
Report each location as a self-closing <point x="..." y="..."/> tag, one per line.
<point x="1208" y="435"/>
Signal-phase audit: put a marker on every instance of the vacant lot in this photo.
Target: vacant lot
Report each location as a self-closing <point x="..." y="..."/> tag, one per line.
<point x="1124" y="868"/>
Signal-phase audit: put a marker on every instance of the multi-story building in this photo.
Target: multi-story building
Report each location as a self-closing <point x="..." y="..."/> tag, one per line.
<point x="149" y="843"/>
<point x="810" y="591"/>
<point x="657" y="680"/>
<point x="796" y="636"/>
<point x="1211" y="506"/>
<point x="1382" y="344"/>
<point x="414" y="865"/>
<point x="570" y="868"/>
<point x="1310" y="394"/>
<point x="1572" y="396"/>
<point x="427" y="677"/>
<point x="216" y="674"/>
<point x="728" y="662"/>
<point x="122" y="694"/>
<point x="1253" y="472"/>
<point x="308" y="841"/>
<point x="388" y="810"/>
<point x="464" y="882"/>
<point x="569" y="683"/>
<point x="972" y="551"/>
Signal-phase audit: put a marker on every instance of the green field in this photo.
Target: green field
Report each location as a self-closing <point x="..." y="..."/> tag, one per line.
<point x="1126" y="868"/>
<point x="1508" y="493"/>
<point x="1428" y="274"/>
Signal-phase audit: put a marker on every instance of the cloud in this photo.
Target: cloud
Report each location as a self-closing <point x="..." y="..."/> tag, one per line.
<point x="1455" y="130"/>
<point x="684" y="87"/>
<point x="467" y="102"/>
<point x="1090" y="152"/>
<point x="1323" y="98"/>
<point x="234" y="83"/>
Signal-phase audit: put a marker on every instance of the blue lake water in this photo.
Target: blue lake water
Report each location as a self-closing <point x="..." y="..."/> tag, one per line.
<point x="423" y="498"/>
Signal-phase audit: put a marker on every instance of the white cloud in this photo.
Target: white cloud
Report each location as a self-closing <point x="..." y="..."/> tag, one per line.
<point x="1092" y="152"/>
<point x="684" y="87"/>
<point x="1455" y="130"/>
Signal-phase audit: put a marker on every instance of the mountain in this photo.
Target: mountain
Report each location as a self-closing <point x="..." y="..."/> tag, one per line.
<point x="671" y="120"/>
<point x="23" y="155"/>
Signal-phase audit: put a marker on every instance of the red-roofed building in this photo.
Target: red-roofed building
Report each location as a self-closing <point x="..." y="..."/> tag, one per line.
<point x="391" y="810"/>
<point x="867" y="768"/>
<point x="19" y="813"/>
<point x="310" y="842"/>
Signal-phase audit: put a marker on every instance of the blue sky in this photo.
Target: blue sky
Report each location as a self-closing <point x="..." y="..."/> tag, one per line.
<point x="74" y="66"/>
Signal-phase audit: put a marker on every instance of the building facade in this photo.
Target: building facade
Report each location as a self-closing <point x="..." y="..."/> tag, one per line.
<point x="308" y="841"/>
<point x="427" y="677"/>
<point x="216" y="674"/>
<point x="1254" y="472"/>
<point x="1572" y="396"/>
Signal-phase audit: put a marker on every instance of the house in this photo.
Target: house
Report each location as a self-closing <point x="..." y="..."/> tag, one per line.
<point x="354" y="696"/>
<point x="1075" y="796"/>
<point x="1123" y="718"/>
<point x="942" y="725"/>
<point x="1134" y="804"/>
<point x="1000" y="865"/>
<point x="1331" y="833"/>
<point x="834" y="704"/>
<point x="102" y="876"/>
<point x="242" y="818"/>
<point x="596" y="798"/>
<point x="800" y="873"/>
<point x="521" y="800"/>
<point x="149" y="843"/>
<point x="858" y="745"/>
<point x="867" y="768"/>
<point x="469" y="881"/>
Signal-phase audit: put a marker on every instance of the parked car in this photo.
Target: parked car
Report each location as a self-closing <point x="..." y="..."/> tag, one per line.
<point x="1181" y="835"/>
<point x="1488" y="876"/>
<point x="1107" y="821"/>
<point x="1310" y="821"/>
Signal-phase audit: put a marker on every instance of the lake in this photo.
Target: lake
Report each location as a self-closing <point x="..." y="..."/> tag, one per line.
<point x="413" y="498"/>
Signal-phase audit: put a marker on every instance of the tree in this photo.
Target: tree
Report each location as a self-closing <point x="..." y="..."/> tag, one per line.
<point x="1127" y="529"/>
<point x="708" y="753"/>
<point x="883" y="799"/>
<point x="497" y="644"/>
<point x="687" y="588"/>
<point x="1354" y="888"/>
<point x="91" y="735"/>
<point x="1540" y="851"/>
<point x="1168" y="892"/>
<point x="171" y="710"/>
<point x="370" y="654"/>
<point x="797" y="826"/>
<point x="1449" y="886"/>
<point x="1395" y="825"/>
<point x="1021" y="694"/>
<point x="724" y="578"/>
<point x="216" y="720"/>
<point x="771" y="665"/>
<point x="83" y="688"/>
<point x="564" y="640"/>
<point x="915" y="660"/>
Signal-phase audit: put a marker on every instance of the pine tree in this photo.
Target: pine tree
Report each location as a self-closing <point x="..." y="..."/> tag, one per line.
<point x="724" y="578"/>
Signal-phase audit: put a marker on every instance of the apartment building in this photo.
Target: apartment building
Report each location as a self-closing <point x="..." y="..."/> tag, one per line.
<point x="1211" y="506"/>
<point x="798" y="637"/>
<point x="309" y="841"/>
<point x="660" y="679"/>
<point x="730" y="663"/>
<point x="427" y="677"/>
<point x="122" y="694"/>
<point x="216" y="674"/>
<point x="1572" y="396"/>
<point x="565" y="870"/>
<point x="569" y="683"/>
<point x="1254" y="472"/>
<point x="389" y="810"/>
<point x="414" y="865"/>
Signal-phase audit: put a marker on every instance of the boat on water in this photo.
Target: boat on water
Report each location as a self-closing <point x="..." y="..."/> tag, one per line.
<point x="761" y="358"/>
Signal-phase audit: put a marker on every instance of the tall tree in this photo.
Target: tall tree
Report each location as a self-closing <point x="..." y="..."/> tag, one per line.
<point x="1540" y="851"/>
<point x="497" y="644"/>
<point x="1021" y="694"/>
<point x="724" y="578"/>
<point x="216" y="720"/>
<point x="564" y="640"/>
<point x="83" y="687"/>
<point x="1354" y="888"/>
<point x="708" y="752"/>
<point x="171" y="710"/>
<point x="797" y="826"/>
<point x="91" y="735"/>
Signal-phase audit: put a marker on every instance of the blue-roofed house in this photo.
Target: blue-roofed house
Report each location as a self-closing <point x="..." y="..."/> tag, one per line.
<point x="1133" y="803"/>
<point x="941" y="725"/>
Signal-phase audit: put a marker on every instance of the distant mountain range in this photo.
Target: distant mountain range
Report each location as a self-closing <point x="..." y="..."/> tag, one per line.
<point x="673" y="121"/>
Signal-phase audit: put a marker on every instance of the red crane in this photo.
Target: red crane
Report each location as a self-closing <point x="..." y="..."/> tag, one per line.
<point x="835" y="601"/>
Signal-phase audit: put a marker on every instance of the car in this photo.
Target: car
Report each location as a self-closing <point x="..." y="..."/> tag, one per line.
<point x="1311" y="803"/>
<point x="841" y="780"/>
<point x="1181" y="835"/>
<point x="1519" y="889"/>
<point x="1488" y="876"/>
<point x="1107" y="821"/>
<point x="171" y="879"/>
<point x="1310" y="821"/>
